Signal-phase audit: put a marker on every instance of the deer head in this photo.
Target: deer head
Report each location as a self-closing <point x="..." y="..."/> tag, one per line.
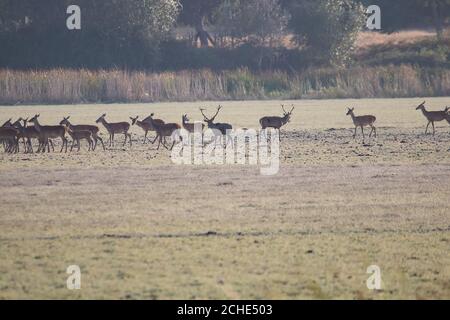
<point x="101" y="118"/>
<point x="421" y="106"/>
<point x="64" y="121"/>
<point x="350" y="111"/>
<point x="210" y="120"/>
<point x="34" y="119"/>
<point x="18" y="122"/>
<point x="134" y="120"/>
<point x="287" y="114"/>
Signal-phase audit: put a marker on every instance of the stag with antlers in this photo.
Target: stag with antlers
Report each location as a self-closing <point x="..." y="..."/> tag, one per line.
<point x="221" y="127"/>
<point x="276" y="122"/>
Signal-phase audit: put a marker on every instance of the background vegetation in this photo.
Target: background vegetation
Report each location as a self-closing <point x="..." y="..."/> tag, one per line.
<point x="156" y="50"/>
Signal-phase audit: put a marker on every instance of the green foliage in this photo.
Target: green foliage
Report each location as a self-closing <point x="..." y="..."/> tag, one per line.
<point x="328" y="27"/>
<point x="122" y="33"/>
<point x="257" y="19"/>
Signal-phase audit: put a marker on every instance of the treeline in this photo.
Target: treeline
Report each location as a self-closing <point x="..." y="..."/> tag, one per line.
<point x="228" y="34"/>
<point x="84" y="86"/>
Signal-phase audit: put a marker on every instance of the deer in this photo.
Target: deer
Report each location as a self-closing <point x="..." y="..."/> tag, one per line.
<point x="30" y="132"/>
<point x="80" y="135"/>
<point x="10" y="137"/>
<point x="163" y="131"/>
<point x="81" y="127"/>
<point x="7" y="124"/>
<point x="276" y="122"/>
<point x="189" y="127"/>
<point x="113" y="128"/>
<point x="362" y="121"/>
<point x="222" y="127"/>
<point x="432" y="116"/>
<point x="49" y="132"/>
<point x="145" y="125"/>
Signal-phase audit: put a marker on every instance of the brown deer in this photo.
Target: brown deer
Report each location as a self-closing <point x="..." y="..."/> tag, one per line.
<point x="80" y="135"/>
<point x="362" y="121"/>
<point x="276" y="122"/>
<point x="10" y="138"/>
<point x="82" y="127"/>
<point x="30" y="132"/>
<point x="432" y="116"/>
<point x="190" y="127"/>
<point x="113" y="128"/>
<point x="7" y="124"/>
<point x="49" y="132"/>
<point x="163" y="131"/>
<point x="145" y="125"/>
<point x="222" y="127"/>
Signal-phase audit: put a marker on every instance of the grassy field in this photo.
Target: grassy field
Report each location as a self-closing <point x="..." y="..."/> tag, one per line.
<point x="141" y="227"/>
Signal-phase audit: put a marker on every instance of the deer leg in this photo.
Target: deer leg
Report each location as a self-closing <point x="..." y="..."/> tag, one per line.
<point x="79" y="145"/>
<point x="362" y="129"/>
<point x="354" y="135"/>
<point x="101" y="140"/>
<point x="159" y="142"/>
<point x="371" y="131"/>
<point x="126" y="136"/>
<point x="157" y="136"/>
<point x="145" y="137"/>
<point x="129" y="136"/>
<point x="434" y="131"/>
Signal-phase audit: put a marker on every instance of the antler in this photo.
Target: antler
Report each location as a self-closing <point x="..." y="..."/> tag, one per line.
<point x="292" y="109"/>
<point x="204" y="116"/>
<point x="218" y="110"/>
<point x="282" y="106"/>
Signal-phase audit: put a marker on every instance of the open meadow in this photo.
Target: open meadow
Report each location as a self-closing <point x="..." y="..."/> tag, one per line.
<point x="141" y="227"/>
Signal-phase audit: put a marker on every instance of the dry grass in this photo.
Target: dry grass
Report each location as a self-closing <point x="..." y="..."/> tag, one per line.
<point x="83" y="86"/>
<point x="371" y="39"/>
<point x="140" y="227"/>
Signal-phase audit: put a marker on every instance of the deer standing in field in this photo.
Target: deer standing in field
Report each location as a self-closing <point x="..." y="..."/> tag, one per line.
<point x="113" y="128"/>
<point x="82" y="127"/>
<point x="80" y="135"/>
<point x="432" y="116"/>
<point x="362" y="121"/>
<point x="163" y="131"/>
<point x="49" y="132"/>
<point x="276" y="122"/>
<point x="189" y="127"/>
<point x="10" y="137"/>
<point x="7" y="124"/>
<point x="221" y="127"/>
<point x="22" y="134"/>
<point x="146" y="125"/>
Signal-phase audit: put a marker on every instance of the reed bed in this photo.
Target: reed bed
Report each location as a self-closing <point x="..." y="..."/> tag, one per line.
<point x="63" y="86"/>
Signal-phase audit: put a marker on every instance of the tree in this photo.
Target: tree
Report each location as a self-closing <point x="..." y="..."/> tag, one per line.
<point x="328" y="27"/>
<point x="258" y="20"/>
<point x="401" y="14"/>
<point x="196" y="13"/>
<point x="113" y="33"/>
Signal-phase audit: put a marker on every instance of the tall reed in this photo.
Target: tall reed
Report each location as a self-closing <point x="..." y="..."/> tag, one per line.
<point x="62" y="86"/>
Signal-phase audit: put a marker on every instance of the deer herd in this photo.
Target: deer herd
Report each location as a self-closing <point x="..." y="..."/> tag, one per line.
<point x="11" y="133"/>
